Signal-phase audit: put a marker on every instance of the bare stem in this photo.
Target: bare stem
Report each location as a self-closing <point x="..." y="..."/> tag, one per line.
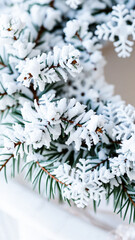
<point x="34" y="93"/>
<point x="3" y="94"/>
<point x="77" y="35"/>
<point x="45" y="170"/>
<point x="70" y="121"/>
<point x="6" y="162"/>
<point x="129" y="196"/>
<point x="52" y="4"/>
<point x="103" y="161"/>
<point x="2" y="64"/>
<point x="41" y="30"/>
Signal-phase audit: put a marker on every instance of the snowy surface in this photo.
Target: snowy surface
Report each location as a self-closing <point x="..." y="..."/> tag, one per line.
<point x="25" y="215"/>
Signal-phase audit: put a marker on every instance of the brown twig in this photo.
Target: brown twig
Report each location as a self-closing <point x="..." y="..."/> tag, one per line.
<point x="103" y="161"/>
<point x="98" y="130"/>
<point x="52" y="4"/>
<point x="53" y="66"/>
<point x="34" y="92"/>
<point x="56" y="179"/>
<point x="45" y="170"/>
<point x="117" y="141"/>
<point x="2" y="64"/>
<point x="130" y="198"/>
<point x="70" y="121"/>
<point x="15" y="145"/>
<point x="6" y="162"/>
<point x="41" y="30"/>
<point x="77" y="35"/>
<point x="3" y="94"/>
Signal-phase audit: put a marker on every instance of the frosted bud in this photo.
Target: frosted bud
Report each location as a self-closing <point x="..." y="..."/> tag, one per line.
<point x="35" y="135"/>
<point x="95" y="122"/>
<point x="71" y="28"/>
<point x="74" y="3"/>
<point x="10" y="26"/>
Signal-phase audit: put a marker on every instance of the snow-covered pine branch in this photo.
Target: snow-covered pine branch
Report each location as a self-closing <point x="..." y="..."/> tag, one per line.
<point x="10" y="28"/>
<point x="52" y="118"/>
<point x="77" y="33"/>
<point x="15" y="36"/>
<point x="49" y="68"/>
<point x="82" y="183"/>
<point x="121" y="165"/>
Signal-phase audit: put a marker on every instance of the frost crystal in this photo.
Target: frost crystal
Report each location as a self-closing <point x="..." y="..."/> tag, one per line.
<point x="118" y="30"/>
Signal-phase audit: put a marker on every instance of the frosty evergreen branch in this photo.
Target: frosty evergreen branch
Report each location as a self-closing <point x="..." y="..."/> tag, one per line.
<point x="50" y="68"/>
<point x="58" y="116"/>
